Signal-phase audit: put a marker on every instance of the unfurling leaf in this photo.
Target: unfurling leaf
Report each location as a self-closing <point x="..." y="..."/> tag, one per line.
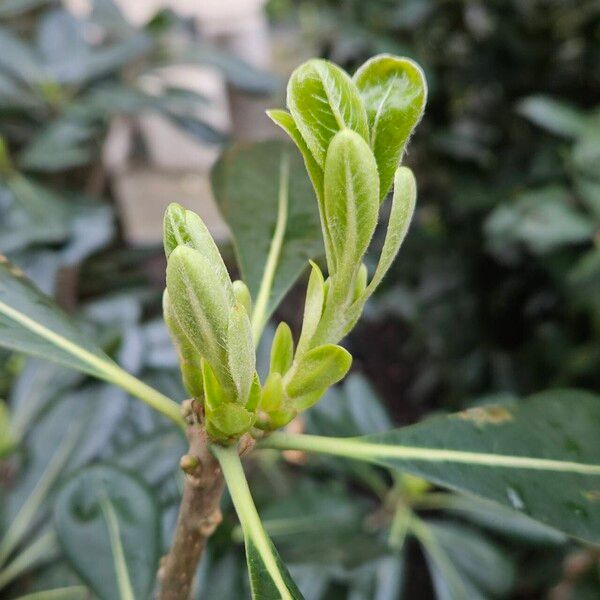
<point x="394" y="92"/>
<point x="242" y="295"/>
<point x="201" y="304"/>
<point x="240" y="351"/>
<point x="282" y="350"/>
<point x="351" y="198"/>
<point x="318" y="369"/>
<point x="403" y="207"/>
<point x="189" y="358"/>
<point x="323" y="100"/>
<point x="313" y="308"/>
<point x="183" y="227"/>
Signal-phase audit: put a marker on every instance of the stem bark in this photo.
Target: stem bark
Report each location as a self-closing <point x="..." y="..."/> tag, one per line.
<point x="199" y="516"/>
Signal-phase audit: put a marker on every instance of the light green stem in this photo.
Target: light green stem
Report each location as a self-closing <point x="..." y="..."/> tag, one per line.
<point x="377" y="453"/>
<point x="266" y="284"/>
<point x="252" y="526"/>
<point x="99" y="366"/>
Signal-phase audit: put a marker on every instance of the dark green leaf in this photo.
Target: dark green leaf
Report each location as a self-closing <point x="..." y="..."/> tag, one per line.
<point x="540" y="457"/>
<point x="107" y="523"/>
<point x="246" y="184"/>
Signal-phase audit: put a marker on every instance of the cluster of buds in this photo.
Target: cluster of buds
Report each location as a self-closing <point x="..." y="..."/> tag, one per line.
<point x="352" y="133"/>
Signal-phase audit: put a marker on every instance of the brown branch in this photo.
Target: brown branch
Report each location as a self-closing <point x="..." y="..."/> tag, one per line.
<point x="199" y="516"/>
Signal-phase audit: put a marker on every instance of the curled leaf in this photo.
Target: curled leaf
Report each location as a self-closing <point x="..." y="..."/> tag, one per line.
<point x="323" y="99"/>
<point x="394" y="92"/>
<point x="282" y="349"/>
<point x="351" y="198"/>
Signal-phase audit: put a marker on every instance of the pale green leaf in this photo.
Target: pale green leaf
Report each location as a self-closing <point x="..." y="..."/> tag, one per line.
<point x="107" y="522"/>
<point x="403" y="206"/>
<point x="540" y="457"/>
<point x="351" y="198"/>
<point x="282" y="350"/>
<point x="394" y="92"/>
<point x="201" y="305"/>
<point x="323" y="100"/>
<point x="241" y="354"/>
<point x="313" y="308"/>
<point x="318" y="369"/>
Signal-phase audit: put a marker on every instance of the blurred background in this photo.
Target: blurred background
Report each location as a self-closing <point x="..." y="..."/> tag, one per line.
<point x="112" y="109"/>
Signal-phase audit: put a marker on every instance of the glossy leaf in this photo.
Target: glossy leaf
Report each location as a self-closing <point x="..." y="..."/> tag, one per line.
<point x="324" y="100"/>
<point x="31" y="323"/>
<point x="269" y="578"/>
<point x="313" y="308"/>
<point x="394" y="92"/>
<point x="107" y="523"/>
<point x="246" y="183"/>
<point x="540" y="457"/>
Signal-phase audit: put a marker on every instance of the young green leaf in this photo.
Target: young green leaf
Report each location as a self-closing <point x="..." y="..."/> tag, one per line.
<point x="242" y="295"/>
<point x="240" y="351"/>
<point x="540" y="457"/>
<point x="107" y="522"/>
<point x="351" y="198"/>
<point x="394" y="92"/>
<point x="247" y="183"/>
<point x="202" y="306"/>
<point x="313" y="308"/>
<point x="323" y="100"/>
<point x="318" y="369"/>
<point x="282" y="349"/>
<point x="403" y="207"/>
<point x="30" y="322"/>
<point x="190" y="361"/>
<point x="269" y="579"/>
<point x="183" y="227"/>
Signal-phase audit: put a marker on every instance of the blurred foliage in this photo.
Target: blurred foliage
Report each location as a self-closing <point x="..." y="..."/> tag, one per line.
<point x="63" y="82"/>
<point x="497" y="286"/>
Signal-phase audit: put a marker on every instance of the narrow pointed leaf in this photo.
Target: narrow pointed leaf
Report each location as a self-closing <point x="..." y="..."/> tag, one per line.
<point x="282" y="350"/>
<point x="540" y="457"/>
<point x="246" y="184"/>
<point x="394" y="92"/>
<point x="241" y="354"/>
<point x="403" y="207"/>
<point x="313" y="308"/>
<point x="107" y="522"/>
<point x="351" y="197"/>
<point x="30" y="322"/>
<point x="323" y="100"/>
<point x="269" y="578"/>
